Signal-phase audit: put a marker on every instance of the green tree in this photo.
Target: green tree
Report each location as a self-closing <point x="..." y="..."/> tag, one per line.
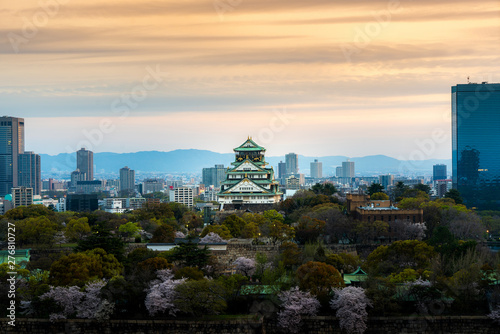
<point x="189" y="255"/>
<point x="399" y="255"/>
<point x="371" y="231"/>
<point x="290" y="254"/>
<point x="423" y="187"/>
<point x="319" y="278"/>
<point x="375" y="188"/>
<point x="221" y="230"/>
<point x="201" y="297"/>
<point x="191" y="273"/>
<point x="235" y="224"/>
<point x="327" y="189"/>
<point x="77" y="229"/>
<point x="454" y="194"/>
<point x="345" y="263"/>
<point x="40" y="231"/>
<point x="309" y="229"/>
<point x="279" y="231"/>
<point x="101" y="237"/>
<point x="379" y="196"/>
<point x="80" y="268"/>
<point x="129" y="229"/>
<point x="164" y="233"/>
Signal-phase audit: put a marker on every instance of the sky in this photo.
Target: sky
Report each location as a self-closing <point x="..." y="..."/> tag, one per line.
<point x="315" y="77"/>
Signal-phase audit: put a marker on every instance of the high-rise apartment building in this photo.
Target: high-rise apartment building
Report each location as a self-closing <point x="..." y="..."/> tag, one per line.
<point x="348" y="169"/>
<point x="338" y="171"/>
<point x="11" y="145"/>
<point x="316" y="169"/>
<point x="85" y="163"/>
<point x="29" y="171"/>
<point x="281" y="169"/>
<point x="476" y="143"/>
<point x="439" y="172"/>
<point x="292" y="163"/>
<point x="127" y="179"/>
<point x="213" y="176"/>
<point x="22" y="196"/>
<point x="386" y="180"/>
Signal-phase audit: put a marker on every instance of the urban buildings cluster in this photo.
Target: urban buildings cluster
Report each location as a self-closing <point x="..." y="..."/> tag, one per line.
<point x="250" y="180"/>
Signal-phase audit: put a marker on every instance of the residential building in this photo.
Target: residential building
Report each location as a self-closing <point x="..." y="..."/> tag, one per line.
<point x="85" y="163"/>
<point x="316" y="169"/>
<point x="183" y="195"/>
<point x="22" y="196"/>
<point x="338" y="171"/>
<point x="213" y="176"/>
<point x="442" y="187"/>
<point x="292" y="183"/>
<point x="90" y="187"/>
<point x="249" y="183"/>
<point x="127" y="179"/>
<point x="292" y="163"/>
<point x="348" y="169"/>
<point x="76" y="176"/>
<point x="11" y="145"/>
<point x="386" y="180"/>
<point x="29" y="171"/>
<point x="152" y="186"/>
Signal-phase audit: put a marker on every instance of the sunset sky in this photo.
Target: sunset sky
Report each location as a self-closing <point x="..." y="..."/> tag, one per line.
<point x="314" y="77"/>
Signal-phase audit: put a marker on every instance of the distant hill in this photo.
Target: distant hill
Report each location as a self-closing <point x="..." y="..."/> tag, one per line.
<point x="192" y="161"/>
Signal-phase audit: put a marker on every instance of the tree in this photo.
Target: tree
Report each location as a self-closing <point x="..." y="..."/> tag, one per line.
<point x="161" y="293"/>
<point x="164" y="233"/>
<point x="221" y="230"/>
<point x="201" y="297"/>
<point x="279" y="231"/>
<point x="423" y="187"/>
<point x="39" y="230"/>
<point x="235" y="224"/>
<point x="309" y="229"/>
<point x="464" y="225"/>
<point x="191" y="220"/>
<point x="190" y="273"/>
<point x="101" y="237"/>
<point x="130" y="229"/>
<point x="319" y="278"/>
<point x="327" y="189"/>
<point x="351" y="303"/>
<point x="379" y="197"/>
<point x="290" y="254"/>
<point x="77" y="229"/>
<point x="190" y="255"/>
<point x="211" y="238"/>
<point x="399" y="255"/>
<point x="375" y="188"/>
<point x="345" y="263"/>
<point x="244" y="266"/>
<point x="86" y="304"/>
<point x="399" y="190"/>
<point x="80" y="268"/>
<point x="295" y="303"/>
<point x="454" y="194"/>
<point x="371" y="231"/>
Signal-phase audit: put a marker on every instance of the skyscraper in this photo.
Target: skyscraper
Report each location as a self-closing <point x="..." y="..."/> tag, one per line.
<point x="127" y="179"/>
<point x="386" y="180"/>
<point x="281" y="169"/>
<point x="292" y="163"/>
<point x="85" y="163"/>
<point x="348" y="168"/>
<point x="213" y="176"/>
<point x="11" y="145"/>
<point x="439" y="172"/>
<point x="316" y="169"/>
<point x="476" y="143"/>
<point x="29" y="172"/>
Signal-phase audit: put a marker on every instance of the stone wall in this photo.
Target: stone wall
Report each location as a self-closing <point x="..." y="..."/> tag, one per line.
<point x="311" y="325"/>
<point x="226" y="258"/>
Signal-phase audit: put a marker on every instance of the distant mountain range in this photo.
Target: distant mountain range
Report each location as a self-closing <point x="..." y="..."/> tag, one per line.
<point x="192" y="161"/>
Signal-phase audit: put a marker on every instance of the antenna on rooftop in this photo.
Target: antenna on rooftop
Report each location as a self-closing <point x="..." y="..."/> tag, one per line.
<point x="468" y="80"/>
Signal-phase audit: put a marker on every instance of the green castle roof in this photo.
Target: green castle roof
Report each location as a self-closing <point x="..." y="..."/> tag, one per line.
<point x="249" y="146"/>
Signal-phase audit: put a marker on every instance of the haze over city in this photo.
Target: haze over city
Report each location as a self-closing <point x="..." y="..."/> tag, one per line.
<point x="352" y="78"/>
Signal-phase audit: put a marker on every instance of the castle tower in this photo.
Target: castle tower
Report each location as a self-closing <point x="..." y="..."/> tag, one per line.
<point x="249" y="184"/>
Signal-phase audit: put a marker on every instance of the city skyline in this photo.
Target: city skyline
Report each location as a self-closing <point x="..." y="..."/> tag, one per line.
<point x="340" y="74"/>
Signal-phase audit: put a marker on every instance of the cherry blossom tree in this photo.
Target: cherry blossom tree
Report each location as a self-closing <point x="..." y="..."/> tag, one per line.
<point x="211" y="238"/>
<point x="351" y="303"/>
<point x="296" y="303"/>
<point x="86" y="303"/>
<point x="495" y="315"/>
<point x="245" y="266"/>
<point x="161" y="293"/>
<point x="180" y="235"/>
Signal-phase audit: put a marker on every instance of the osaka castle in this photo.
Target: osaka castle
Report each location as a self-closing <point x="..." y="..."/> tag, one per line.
<point x="249" y="184"/>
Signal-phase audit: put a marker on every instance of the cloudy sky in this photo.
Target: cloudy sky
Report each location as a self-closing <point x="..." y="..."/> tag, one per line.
<point x="315" y="77"/>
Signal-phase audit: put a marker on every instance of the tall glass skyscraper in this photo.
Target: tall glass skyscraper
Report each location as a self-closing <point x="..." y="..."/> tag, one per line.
<point x="11" y="145"/>
<point x="476" y="143"/>
<point x="85" y="163"/>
